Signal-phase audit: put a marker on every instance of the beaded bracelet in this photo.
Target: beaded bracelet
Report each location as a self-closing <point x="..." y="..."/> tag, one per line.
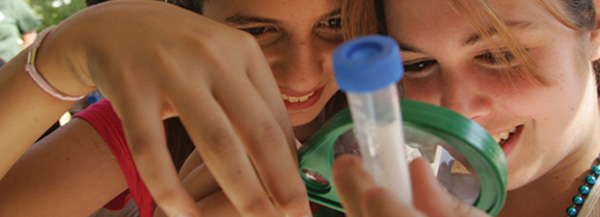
<point x="39" y="78"/>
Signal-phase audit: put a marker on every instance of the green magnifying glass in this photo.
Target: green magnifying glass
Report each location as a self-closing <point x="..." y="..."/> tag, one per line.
<point x="464" y="157"/>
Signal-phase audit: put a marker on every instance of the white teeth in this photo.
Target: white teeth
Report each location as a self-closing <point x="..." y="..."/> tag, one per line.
<point x="504" y="135"/>
<point x="496" y="138"/>
<point x="293" y="99"/>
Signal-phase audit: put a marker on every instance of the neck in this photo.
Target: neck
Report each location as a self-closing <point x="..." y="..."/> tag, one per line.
<point x="551" y="194"/>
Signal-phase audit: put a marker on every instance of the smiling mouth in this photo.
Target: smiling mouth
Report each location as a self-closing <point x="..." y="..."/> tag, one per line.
<point x="302" y="100"/>
<point x="501" y="138"/>
<point x="293" y="99"/>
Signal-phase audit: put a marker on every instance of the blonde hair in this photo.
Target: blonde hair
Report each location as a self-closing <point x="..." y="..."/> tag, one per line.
<point x="362" y="17"/>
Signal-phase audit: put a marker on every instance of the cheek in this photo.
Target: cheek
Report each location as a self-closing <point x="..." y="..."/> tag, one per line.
<point x="421" y="89"/>
<point x="493" y="87"/>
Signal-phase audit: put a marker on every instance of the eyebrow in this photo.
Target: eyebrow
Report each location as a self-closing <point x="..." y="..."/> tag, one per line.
<point x="406" y="48"/>
<point x="473" y="39"/>
<point x="332" y="13"/>
<point x="243" y="19"/>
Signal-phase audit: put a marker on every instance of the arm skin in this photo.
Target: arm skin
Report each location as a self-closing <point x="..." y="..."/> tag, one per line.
<point x="71" y="172"/>
<point x="26" y="111"/>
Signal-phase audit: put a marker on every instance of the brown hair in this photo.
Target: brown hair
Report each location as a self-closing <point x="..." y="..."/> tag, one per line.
<point x="360" y="18"/>
<point x="368" y="17"/>
<point x="192" y="5"/>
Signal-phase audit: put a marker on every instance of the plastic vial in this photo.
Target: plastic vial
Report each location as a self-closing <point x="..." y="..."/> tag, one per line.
<point x="368" y="69"/>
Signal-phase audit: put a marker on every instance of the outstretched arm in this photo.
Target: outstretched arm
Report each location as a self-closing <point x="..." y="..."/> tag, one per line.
<point x="163" y="62"/>
<point x="26" y="111"/>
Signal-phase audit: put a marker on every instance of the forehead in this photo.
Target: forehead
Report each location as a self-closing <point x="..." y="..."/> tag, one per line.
<point x="434" y="14"/>
<point x="434" y="7"/>
<point x="272" y="9"/>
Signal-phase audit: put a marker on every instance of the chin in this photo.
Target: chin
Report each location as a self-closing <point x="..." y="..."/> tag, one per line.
<point x="303" y="118"/>
<point x="298" y="120"/>
<point x="523" y="177"/>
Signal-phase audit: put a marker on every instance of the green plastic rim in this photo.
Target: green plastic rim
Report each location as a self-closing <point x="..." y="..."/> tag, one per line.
<point x="465" y="136"/>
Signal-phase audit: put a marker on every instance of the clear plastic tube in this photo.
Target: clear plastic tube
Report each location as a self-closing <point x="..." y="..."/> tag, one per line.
<point x="368" y="70"/>
<point x="378" y="128"/>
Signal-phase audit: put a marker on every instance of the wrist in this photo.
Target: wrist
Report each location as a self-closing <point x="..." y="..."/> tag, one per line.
<point x="51" y="57"/>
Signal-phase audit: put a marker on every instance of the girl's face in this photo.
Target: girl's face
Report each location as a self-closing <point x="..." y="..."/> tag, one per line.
<point x="541" y="127"/>
<point x="297" y="38"/>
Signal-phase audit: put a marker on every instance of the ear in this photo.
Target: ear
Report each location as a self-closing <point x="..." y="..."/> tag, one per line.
<point x="595" y="35"/>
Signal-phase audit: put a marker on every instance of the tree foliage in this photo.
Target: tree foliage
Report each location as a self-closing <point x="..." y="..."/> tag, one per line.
<point x="52" y="12"/>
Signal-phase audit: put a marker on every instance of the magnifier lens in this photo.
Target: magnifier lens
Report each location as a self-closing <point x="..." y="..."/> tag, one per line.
<point x="346" y="144"/>
<point x="450" y="167"/>
<point x="452" y="170"/>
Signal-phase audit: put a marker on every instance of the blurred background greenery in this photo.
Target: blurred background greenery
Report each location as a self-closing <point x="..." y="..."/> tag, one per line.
<point x="52" y="12"/>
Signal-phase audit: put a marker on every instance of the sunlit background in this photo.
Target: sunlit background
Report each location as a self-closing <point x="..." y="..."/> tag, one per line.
<point x="52" y="12"/>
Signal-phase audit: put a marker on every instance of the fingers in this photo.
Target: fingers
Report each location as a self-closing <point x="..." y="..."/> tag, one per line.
<point x="221" y="148"/>
<point x="190" y="163"/>
<point x="268" y="147"/>
<point x="200" y="183"/>
<point x="431" y="198"/>
<point x="203" y="188"/>
<point x="147" y="143"/>
<point x="361" y="196"/>
<point x="352" y="183"/>
<point x="261" y="119"/>
<point x="218" y="205"/>
<point x="262" y="78"/>
<point x="382" y="203"/>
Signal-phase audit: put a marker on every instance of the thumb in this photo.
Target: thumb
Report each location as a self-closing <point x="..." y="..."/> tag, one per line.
<point x="431" y="198"/>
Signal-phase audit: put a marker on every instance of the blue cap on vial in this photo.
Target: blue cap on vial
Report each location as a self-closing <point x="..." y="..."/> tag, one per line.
<point x="367" y="64"/>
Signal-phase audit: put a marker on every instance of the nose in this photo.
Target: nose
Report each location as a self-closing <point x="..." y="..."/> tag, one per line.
<point x="303" y="64"/>
<point x="464" y="92"/>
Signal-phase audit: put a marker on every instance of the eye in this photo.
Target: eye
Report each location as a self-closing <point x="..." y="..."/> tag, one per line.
<point x="330" y="29"/>
<point x="257" y="31"/>
<point x="497" y="58"/>
<point x="264" y="35"/>
<point x="419" y="66"/>
<point x="334" y="23"/>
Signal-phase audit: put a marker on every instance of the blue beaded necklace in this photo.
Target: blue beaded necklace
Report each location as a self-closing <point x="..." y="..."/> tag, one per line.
<point x="584" y="190"/>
